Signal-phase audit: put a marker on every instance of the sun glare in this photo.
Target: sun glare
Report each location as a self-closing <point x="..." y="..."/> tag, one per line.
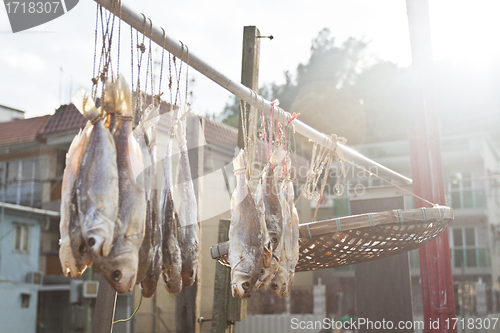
<point x="466" y="31"/>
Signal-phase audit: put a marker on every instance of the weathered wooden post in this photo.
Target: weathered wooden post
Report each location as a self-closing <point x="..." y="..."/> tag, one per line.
<point x="104" y="311"/>
<point x="383" y="287"/>
<point x="226" y="309"/>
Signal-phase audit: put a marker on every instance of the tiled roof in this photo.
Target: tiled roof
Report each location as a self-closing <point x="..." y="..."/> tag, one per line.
<point x="220" y="134"/>
<point x="67" y="119"/>
<point x="21" y="130"/>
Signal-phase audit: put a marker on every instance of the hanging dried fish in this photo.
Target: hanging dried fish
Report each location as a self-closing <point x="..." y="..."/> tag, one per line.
<point x="268" y="272"/>
<point x="73" y="252"/>
<point x="274" y="213"/>
<point x="172" y="261"/>
<point x="120" y="266"/>
<point x="280" y="282"/>
<point x="247" y="235"/>
<point x="292" y="263"/>
<point x="150" y="253"/>
<point x="97" y="181"/>
<point x="188" y="229"/>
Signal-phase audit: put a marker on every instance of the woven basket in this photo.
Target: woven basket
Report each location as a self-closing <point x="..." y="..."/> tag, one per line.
<point x="360" y="238"/>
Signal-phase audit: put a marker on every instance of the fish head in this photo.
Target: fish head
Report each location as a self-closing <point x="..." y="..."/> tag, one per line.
<point x="243" y="280"/>
<point x="279" y="284"/>
<point x="149" y="287"/>
<point x="173" y="286"/>
<point x="266" y="274"/>
<point x="99" y="237"/>
<point x="267" y="254"/>
<point x="188" y="277"/>
<point x="81" y="255"/>
<point x="120" y="270"/>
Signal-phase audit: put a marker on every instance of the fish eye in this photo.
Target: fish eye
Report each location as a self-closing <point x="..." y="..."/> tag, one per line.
<point x="91" y="241"/>
<point x="245" y="286"/>
<point x="82" y="248"/>
<point x="116" y="276"/>
<point x="274" y="286"/>
<point x="274" y="240"/>
<point x="262" y="271"/>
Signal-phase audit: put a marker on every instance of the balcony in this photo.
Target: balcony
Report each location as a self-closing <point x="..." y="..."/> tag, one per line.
<point x="466" y="198"/>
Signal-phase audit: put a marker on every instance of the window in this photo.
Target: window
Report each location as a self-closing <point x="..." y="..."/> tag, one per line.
<point x="21" y="238"/>
<point x="464" y="192"/>
<point x="23" y="186"/>
<point x="465" y="249"/>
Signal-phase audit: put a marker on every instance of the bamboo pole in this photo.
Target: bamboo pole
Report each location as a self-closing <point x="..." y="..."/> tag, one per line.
<point x="141" y="23"/>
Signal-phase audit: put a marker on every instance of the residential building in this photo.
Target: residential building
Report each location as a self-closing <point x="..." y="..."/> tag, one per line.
<point x="471" y="172"/>
<point x="23" y="166"/>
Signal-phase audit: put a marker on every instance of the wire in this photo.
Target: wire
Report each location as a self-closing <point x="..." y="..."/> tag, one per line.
<point x="132" y="316"/>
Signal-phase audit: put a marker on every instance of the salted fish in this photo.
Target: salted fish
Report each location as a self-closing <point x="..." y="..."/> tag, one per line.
<point x="144" y="135"/>
<point x="268" y="271"/>
<point x="247" y="235"/>
<point x="119" y="267"/>
<point x="292" y="262"/>
<point x="154" y="271"/>
<point x="172" y="261"/>
<point x="150" y="254"/>
<point x="187" y="208"/>
<point x="281" y="281"/>
<point x="273" y="212"/>
<point x="97" y="181"/>
<point x="73" y="252"/>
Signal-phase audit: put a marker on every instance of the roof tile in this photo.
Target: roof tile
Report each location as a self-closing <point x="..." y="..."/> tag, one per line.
<point x="21" y="130"/>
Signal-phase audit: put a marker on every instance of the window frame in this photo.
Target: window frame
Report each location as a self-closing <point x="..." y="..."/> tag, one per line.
<point x="24" y="232"/>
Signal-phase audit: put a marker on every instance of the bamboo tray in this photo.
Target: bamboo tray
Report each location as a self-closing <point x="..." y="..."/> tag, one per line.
<point x="360" y="238"/>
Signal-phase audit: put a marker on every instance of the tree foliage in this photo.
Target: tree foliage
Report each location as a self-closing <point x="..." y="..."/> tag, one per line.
<point x="335" y="92"/>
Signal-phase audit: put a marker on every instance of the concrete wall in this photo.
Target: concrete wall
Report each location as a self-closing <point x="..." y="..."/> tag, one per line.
<point x="13" y="318"/>
<point x="13" y="269"/>
<point x="15" y="265"/>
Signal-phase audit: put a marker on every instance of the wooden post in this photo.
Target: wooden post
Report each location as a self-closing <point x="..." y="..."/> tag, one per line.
<point x="427" y="172"/>
<point x="383" y="287"/>
<point x="188" y="301"/>
<point x="104" y="310"/>
<point x="226" y="309"/>
<point x="250" y="78"/>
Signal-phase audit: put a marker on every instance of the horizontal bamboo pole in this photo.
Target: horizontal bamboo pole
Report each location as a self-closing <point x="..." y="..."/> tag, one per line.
<point x="144" y="25"/>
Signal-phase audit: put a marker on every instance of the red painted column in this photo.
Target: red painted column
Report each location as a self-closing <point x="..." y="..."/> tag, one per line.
<point x="425" y="155"/>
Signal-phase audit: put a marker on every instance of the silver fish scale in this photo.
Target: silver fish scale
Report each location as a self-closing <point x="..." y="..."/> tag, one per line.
<point x="247" y="234"/>
<point x="97" y="190"/>
<point x="172" y="261"/>
<point x="188" y="231"/>
<point x="120" y="266"/>
<point x="73" y="252"/>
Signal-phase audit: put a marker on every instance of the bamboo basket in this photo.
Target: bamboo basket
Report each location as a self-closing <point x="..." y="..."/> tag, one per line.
<point x="359" y="238"/>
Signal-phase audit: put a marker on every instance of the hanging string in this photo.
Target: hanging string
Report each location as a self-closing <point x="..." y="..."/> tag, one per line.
<point x="392" y="184"/>
<point x="94" y="80"/>
<point x="158" y="97"/>
<point x="187" y="71"/>
<point x="119" y="40"/>
<point x="132" y="316"/>
<point x="170" y="80"/>
<point x="132" y="57"/>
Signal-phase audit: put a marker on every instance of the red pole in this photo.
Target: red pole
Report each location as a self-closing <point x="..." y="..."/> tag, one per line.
<point x="425" y="154"/>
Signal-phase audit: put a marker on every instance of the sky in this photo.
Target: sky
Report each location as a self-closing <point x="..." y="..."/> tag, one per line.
<point x="42" y="67"/>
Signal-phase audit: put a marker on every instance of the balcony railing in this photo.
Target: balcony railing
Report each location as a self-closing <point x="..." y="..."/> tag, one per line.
<point x="467" y="198"/>
<point x="22" y="192"/>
